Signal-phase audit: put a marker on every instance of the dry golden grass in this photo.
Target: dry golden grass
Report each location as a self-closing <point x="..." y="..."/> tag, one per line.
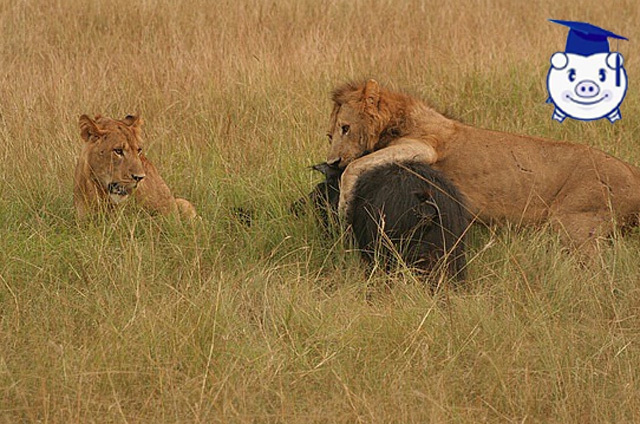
<point x="133" y="319"/>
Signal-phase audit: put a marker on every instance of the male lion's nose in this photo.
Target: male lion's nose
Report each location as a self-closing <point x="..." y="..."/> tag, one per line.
<point x="334" y="161"/>
<point x="137" y="178"/>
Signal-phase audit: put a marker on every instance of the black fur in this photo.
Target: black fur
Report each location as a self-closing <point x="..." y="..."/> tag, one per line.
<point x="325" y="196"/>
<point x="408" y="210"/>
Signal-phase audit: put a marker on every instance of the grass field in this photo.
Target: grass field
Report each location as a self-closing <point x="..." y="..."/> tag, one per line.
<point x="136" y="319"/>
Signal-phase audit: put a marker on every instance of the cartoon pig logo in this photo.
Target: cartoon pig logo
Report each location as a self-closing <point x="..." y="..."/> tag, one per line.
<point x="586" y="82"/>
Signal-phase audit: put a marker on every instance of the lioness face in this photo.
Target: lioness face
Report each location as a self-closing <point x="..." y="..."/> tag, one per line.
<point x="113" y="150"/>
<point x="347" y="134"/>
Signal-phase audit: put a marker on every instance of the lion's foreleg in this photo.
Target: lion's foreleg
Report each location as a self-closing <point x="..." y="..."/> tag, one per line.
<point x="400" y="151"/>
<point x="186" y="209"/>
<point x="581" y="232"/>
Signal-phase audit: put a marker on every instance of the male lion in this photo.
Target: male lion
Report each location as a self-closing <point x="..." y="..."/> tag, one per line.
<point x="582" y="191"/>
<point x="112" y="167"/>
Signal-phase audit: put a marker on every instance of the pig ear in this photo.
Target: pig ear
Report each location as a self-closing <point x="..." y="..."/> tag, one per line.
<point x="372" y="95"/>
<point x="611" y="60"/>
<point x="89" y="129"/>
<point x="559" y="60"/>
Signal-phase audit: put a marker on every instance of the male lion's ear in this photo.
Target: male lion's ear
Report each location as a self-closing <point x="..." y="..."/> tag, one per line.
<point x="88" y="128"/>
<point x="133" y="121"/>
<point x="372" y="95"/>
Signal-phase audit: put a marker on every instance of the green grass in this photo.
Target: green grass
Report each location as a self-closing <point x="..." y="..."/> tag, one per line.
<point x="132" y="319"/>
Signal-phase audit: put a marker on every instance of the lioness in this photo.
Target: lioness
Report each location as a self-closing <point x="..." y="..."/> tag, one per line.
<point x="582" y="191"/>
<point x="112" y="167"/>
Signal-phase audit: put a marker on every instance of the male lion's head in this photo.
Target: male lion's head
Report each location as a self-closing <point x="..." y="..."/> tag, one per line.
<point x="361" y="121"/>
<point x="113" y="153"/>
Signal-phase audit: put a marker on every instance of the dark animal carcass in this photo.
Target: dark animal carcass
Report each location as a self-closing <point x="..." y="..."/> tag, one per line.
<point x="407" y="210"/>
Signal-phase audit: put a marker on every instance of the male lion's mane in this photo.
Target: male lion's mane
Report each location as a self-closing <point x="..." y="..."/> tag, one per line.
<point x="388" y="123"/>
<point x="396" y="115"/>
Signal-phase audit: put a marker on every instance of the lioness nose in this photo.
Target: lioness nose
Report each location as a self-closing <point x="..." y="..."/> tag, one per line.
<point x="137" y="178"/>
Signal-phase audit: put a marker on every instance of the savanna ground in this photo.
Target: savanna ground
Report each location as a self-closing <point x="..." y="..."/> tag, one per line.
<point x="139" y="319"/>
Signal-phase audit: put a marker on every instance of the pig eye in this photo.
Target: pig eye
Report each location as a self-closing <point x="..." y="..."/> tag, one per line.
<point x="572" y="75"/>
<point x="344" y="129"/>
<point x="603" y="75"/>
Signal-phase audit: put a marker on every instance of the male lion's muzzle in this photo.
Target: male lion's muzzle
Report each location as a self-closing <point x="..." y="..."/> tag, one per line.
<point x="334" y="162"/>
<point x="341" y="163"/>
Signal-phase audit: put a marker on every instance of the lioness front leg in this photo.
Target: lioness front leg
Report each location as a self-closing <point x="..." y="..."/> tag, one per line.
<point x="404" y="149"/>
<point x="186" y="209"/>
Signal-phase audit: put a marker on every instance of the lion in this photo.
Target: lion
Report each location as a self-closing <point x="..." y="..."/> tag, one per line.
<point x="583" y="192"/>
<point x="113" y="168"/>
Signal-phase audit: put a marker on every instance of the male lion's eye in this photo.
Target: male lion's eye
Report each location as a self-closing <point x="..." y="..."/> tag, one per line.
<point x="118" y="152"/>
<point x="344" y="129"/>
<point x="139" y="151"/>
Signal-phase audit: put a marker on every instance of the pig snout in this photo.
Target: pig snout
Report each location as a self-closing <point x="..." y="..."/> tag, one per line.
<point x="587" y="89"/>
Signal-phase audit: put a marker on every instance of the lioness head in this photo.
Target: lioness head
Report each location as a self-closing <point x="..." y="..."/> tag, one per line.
<point x="112" y="152"/>
<point x="356" y="122"/>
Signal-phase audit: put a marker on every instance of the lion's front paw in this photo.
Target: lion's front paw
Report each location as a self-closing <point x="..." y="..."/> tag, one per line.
<point x="186" y="209"/>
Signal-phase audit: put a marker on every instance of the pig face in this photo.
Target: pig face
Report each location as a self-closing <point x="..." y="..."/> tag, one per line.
<point x="585" y="87"/>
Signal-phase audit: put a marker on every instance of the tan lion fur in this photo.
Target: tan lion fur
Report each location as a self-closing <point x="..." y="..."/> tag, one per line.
<point x="582" y="191"/>
<point x="112" y="168"/>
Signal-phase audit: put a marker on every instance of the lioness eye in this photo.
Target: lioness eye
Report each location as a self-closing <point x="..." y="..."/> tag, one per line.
<point x="344" y="129"/>
<point x="330" y="137"/>
<point x="118" y="152"/>
<point x="139" y="151"/>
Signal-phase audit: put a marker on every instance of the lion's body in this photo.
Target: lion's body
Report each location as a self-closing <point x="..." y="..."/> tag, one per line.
<point x="112" y="168"/>
<point x="582" y="191"/>
<point x="529" y="179"/>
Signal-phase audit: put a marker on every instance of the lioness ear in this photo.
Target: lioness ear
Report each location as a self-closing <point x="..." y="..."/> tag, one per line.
<point x="88" y="128"/>
<point x="372" y="95"/>
<point x="133" y="121"/>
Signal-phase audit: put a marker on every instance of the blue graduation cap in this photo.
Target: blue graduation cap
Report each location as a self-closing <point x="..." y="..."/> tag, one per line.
<point x="586" y="39"/>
